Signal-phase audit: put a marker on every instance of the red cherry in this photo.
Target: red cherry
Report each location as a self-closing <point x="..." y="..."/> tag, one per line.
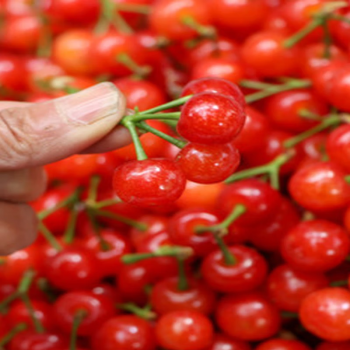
<point x="210" y="118"/>
<point x="223" y="342"/>
<point x="288" y="287"/>
<point x="334" y="346"/>
<point x="184" y="330"/>
<point x="326" y="312"/>
<point x="124" y="332"/>
<point x="149" y="182"/>
<point x="250" y="316"/>
<point x="282" y="344"/>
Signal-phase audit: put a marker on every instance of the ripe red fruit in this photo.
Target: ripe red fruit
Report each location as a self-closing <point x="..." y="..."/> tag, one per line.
<point x="210" y="118"/>
<point x="184" y="330"/>
<point x="326" y="314"/>
<point x="149" y="182"/>
<point x="282" y="344"/>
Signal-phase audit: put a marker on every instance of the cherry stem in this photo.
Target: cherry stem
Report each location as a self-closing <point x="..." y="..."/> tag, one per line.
<point x="229" y="258"/>
<point x="222" y="228"/>
<point x="44" y="285"/>
<point x="347" y="179"/>
<point x="291" y="84"/>
<point x="77" y="320"/>
<point x="133" y="223"/>
<point x="144" y="313"/>
<point x="93" y="188"/>
<point x="303" y="32"/>
<point x="127" y="61"/>
<point x="141" y="117"/>
<point x="340" y="283"/>
<point x="134" y="8"/>
<point x="20" y="327"/>
<point x="341" y="18"/>
<point x="305" y="113"/>
<point x="271" y="169"/>
<point x="182" y="282"/>
<point x="255" y="85"/>
<point x="106" y="203"/>
<point x="326" y="123"/>
<point x="38" y="326"/>
<point x="45" y="41"/>
<point x="178" y="143"/>
<point x="64" y="203"/>
<point x="140" y="152"/>
<point x="69" y="234"/>
<point x="203" y="31"/>
<point x="48" y="235"/>
<point x="179" y="252"/>
<point x="327" y="39"/>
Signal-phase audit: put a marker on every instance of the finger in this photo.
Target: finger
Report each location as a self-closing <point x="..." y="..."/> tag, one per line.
<point x="22" y="185"/>
<point x="18" y="225"/>
<point x="46" y="132"/>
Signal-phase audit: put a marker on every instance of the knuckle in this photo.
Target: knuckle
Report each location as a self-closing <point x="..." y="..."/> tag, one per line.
<point x="17" y="143"/>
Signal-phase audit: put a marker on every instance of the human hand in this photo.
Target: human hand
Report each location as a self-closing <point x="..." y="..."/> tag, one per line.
<point x="32" y="135"/>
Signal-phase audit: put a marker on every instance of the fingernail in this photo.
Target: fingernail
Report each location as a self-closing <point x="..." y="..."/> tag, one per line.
<point x="92" y="104"/>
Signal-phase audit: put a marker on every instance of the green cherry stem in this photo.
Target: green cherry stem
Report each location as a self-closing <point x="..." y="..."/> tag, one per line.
<point x="277" y="88"/>
<point x="78" y="319"/>
<point x="174" y="251"/>
<point x="178" y="143"/>
<point x="141" y="117"/>
<point x="347" y="179"/>
<point x="144" y="313"/>
<point x="127" y="61"/>
<point x="140" y="152"/>
<point x="93" y="188"/>
<point x="325" y="124"/>
<point x="255" y="85"/>
<point x="271" y="169"/>
<point x="182" y="283"/>
<point x="222" y="228"/>
<point x="203" y="31"/>
<point x="50" y="238"/>
<point x="39" y="328"/>
<point x="229" y="258"/>
<point x="134" y="8"/>
<point x="20" y="327"/>
<point x="340" y="283"/>
<point x="69" y="234"/>
<point x="106" y="203"/>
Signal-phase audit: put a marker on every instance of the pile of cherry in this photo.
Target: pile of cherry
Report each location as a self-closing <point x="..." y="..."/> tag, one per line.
<point x="225" y="225"/>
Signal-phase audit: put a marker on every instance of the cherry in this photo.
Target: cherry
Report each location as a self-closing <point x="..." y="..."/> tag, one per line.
<point x="288" y="287"/>
<point x="320" y="186"/>
<point x="176" y="22"/>
<point x="282" y="344"/>
<point x="210" y="118"/>
<point x="284" y="109"/>
<point x="260" y="200"/>
<point x="325" y="313"/>
<point x="38" y="341"/>
<point x="124" y="332"/>
<point x="108" y="291"/>
<point x="96" y="308"/>
<point x="73" y="268"/>
<point x="265" y="53"/>
<point x="208" y="163"/>
<point x="338" y="146"/>
<point x="223" y="342"/>
<point x="12" y="73"/>
<point x="339" y="90"/>
<point x="333" y="346"/>
<point x="108" y="247"/>
<point x="184" y="330"/>
<point x="213" y="84"/>
<point x="167" y="297"/>
<point x="249" y="316"/>
<point x="247" y="273"/>
<point x="315" y="245"/>
<point x="149" y="182"/>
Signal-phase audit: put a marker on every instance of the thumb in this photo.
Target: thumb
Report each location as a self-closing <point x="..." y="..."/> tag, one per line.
<point x="38" y="134"/>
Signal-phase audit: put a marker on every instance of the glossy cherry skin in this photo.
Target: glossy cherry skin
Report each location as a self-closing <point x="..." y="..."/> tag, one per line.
<point x="73" y="268"/>
<point x="334" y="345"/>
<point x="167" y="20"/>
<point x="260" y="200"/>
<point x="98" y="309"/>
<point x="166" y="297"/>
<point x="340" y="88"/>
<point x="338" y="146"/>
<point x="288" y="287"/>
<point x="184" y="330"/>
<point x="326" y="313"/>
<point x="32" y="340"/>
<point x="283" y="109"/>
<point x="282" y="344"/>
<point x="108" y="258"/>
<point x="208" y="163"/>
<point x="268" y="236"/>
<point x="210" y="118"/>
<point x="182" y="229"/>
<point x="224" y="342"/>
<point x="320" y="187"/>
<point x="249" y="316"/>
<point x="213" y="84"/>
<point x="264" y="52"/>
<point x="149" y="182"/>
<point x="254" y="131"/>
<point x="315" y="245"/>
<point x="19" y="313"/>
<point x="124" y="332"/>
